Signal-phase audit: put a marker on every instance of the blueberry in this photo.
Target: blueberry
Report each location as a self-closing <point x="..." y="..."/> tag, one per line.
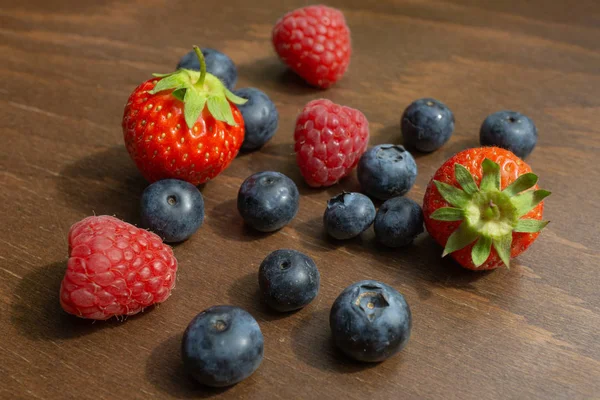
<point x="222" y="346"/>
<point x="217" y="63"/>
<point x="398" y="221"/>
<point x="386" y="171"/>
<point x="427" y="124"/>
<point x="510" y="130"/>
<point x="348" y="215"/>
<point x="267" y="201"/>
<point x="370" y="321"/>
<point x="172" y="209"/>
<point x="260" y="118"/>
<point x="288" y="280"/>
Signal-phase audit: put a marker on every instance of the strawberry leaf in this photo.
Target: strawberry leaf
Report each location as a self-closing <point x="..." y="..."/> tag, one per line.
<point x="452" y="195"/>
<point x="175" y="81"/>
<point x="235" y="99"/>
<point x="465" y="179"/>
<point x="197" y="89"/>
<point x="502" y="246"/>
<point x="481" y="250"/>
<point x="220" y="109"/>
<point x="524" y="182"/>
<point x="460" y="238"/>
<point x="179" y="94"/>
<point x="448" y="214"/>
<point x="527" y="201"/>
<point x="530" y="225"/>
<point x="193" y="104"/>
<point x="491" y="176"/>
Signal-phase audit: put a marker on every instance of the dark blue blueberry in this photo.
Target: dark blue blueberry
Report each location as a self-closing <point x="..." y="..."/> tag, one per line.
<point x="387" y="171"/>
<point x="172" y="209"/>
<point x="288" y="280"/>
<point x="398" y="221"/>
<point x="268" y="201"/>
<point x="510" y="130"/>
<point x="260" y="118"/>
<point x="217" y="63"/>
<point x="370" y="321"/>
<point x="222" y="346"/>
<point x="427" y="124"/>
<point x="348" y="215"/>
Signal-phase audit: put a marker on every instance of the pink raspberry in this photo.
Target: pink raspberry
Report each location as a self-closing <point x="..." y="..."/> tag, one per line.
<point x="115" y="268"/>
<point x="314" y="41"/>
<point x="329" y="141"/>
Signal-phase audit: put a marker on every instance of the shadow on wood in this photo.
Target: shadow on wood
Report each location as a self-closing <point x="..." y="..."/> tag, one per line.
<point x="229" y="224"/>
<point x="36" y="311"/>
<point x="164" y="369"/>
<point x="104" y="183"/>
<point x="312" y="344"/>
<point x="270" y="74"/>
<point x="245" y="292"/>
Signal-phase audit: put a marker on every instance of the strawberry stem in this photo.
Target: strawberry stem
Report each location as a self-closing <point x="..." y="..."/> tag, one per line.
<point x="200" y="56"/>
<point x="492" y="211"/>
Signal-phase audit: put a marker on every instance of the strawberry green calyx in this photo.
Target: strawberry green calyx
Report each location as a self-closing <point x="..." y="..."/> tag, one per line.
<point x="489" y="216"/>
<point x="197" y="89"/>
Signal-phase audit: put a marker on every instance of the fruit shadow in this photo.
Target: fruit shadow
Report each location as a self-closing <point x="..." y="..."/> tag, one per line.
<point x="227" y="222"/>
<point x="420" y="265"/>
<point x="165" y="371"/>
<point x="322" y="242"/>
<point x="393" y="134"/>
<point x="271" y="75"/>
<point x="36" y="311"/>
<point x="313" y="345"/>
<point x="245" y="293"/>
<point x="103" y="183"/>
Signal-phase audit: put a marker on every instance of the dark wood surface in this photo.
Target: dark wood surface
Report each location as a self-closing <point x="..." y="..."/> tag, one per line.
<point x="66" y="70"/>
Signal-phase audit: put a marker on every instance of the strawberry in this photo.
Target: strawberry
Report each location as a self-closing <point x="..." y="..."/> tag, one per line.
<point x="315" y="43"/>
<point x="485" y="207"/>
<point x="183" y="125"/>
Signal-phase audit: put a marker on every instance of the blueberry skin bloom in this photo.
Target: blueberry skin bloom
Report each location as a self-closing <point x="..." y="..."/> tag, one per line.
<point x="267" y="201"/>
<point x="398" y="222"/>
<point x="260" y="118"/>
<point x="172" y="209"/>
<point x="222" y="346"/>
<point x="427" y="124"/>
<point x="348" y="215"/>
<point x="288" y="280"/>
<point x="510" y="130"/>
<point x="370" y="321"/>
<point x="387" y="171"/>
<point x="217" y="63"/>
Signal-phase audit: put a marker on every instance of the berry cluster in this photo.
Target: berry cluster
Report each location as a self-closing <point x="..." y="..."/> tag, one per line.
<point x="184" y="128"/>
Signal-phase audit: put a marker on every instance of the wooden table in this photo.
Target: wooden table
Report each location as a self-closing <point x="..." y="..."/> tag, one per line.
<point x="529" y="333"/>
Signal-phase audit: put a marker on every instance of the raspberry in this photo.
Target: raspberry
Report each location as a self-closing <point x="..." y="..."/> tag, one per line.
<point x="329" y="141"/>
<point x="314" y="41"/>
<point x="115" y="268"/>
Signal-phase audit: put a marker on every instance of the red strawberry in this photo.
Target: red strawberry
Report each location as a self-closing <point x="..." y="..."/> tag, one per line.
<point x="314" y="42"/>
<point x="115" y="269"/>
<point x="329" y="141"/>
<point x="183" y="125"/>
<point x="479" y="206"/>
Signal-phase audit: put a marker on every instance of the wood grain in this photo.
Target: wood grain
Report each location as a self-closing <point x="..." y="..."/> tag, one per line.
<point x="528" y="333"/>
